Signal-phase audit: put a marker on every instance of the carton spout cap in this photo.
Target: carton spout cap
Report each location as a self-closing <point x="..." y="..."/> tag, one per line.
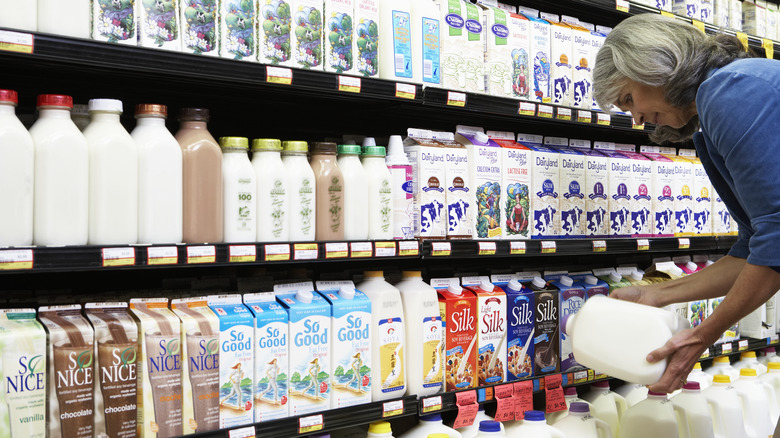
<point x="455" y="289"/>
<point x="304" y="296"/>
<point x="539" y="282"/>
<point x="347" y="292"/>
<point x="514" y="285"/>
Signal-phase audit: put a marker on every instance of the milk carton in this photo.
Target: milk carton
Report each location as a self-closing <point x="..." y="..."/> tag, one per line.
<point x="641" y="207"/>
<point x="236" y="360"/>
<point x="520" y="327"/>
<point x="771" y="21"/>
<point x="520" y="49"/>
<point x="366" y="37"/>
<point x="721" y="13"/>
<point x="23" y="399"/>
<point x="484" y="163"/>
<point x="428" y="174"/>
<point x="200" y="27"/>
<point x="544" y="189"/>
<point x="458" y="308"/>
<point x="732" y="333"/>
<point x="707" y="11"/>
<point x="460" y="208"/>
<point x="275" y="23"/>
<point x="735" y="15"/>
<point x="339" y="36"/>
<point x="159" y="24"/>
<point x="306" y="34"/>
<point x="491" y="330"/>
<point x="201" y="358"/>
<point x="702" y="199"/>
<point x="272" y="356"/>
<point x="572" y="296"/>
<point x="427" y="35"/>
<point x="547" y="331"/>
<point x="572" y="203"/>
<point x="498" y="52"/>
<point x="721" y="217"/>
<point x="595" y="286"/>
<point x="309" y="329"/>
<point x="541" y="37"/>
<point x="595" y="189"/>
<point x="760" y="323"/>
<point x="515" y="182"/>
<point x="754" y="17"/>
<point x="463" y="56"/>
<point x="687" y="8"/>
<point x="395" y="41"/>
<point x="350" y="357"/>
<point x="663" y="201"/>
<point x="238" y="29"/>
<point x="159" y="378"/>
<point x="115" y="21"/>
<point x="596" y="41"/>
<point x="561" y="73"/>
<point x="582" y="61"/>
<point x="619" y="200"/>
<point x="682" y="190"/>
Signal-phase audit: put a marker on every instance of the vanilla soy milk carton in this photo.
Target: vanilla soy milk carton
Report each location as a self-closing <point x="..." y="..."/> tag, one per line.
<point x="484" y="163"/>
<point x="595" y="189"/>
<point x="159" y="24"/>
<point x="663" y="201"/>
<point x="200" y="27"/>
<point x="115" y="21"/>
<point x="572" y="203"/>
<point x="236" y="360"/>
<point x="463" y="57"/>
<point x="460" y="209"/>
<point x="498" y="52"/>
<point x="541" y="40"/>
<point x="350" y="356"/>
<point x="721" y="217"/>
<point x="520" y="50"/>
<point x="561" y="73"/>
<point x="366" y="37"/>
<point x="515" y="182"/>
<point x="618" y="199"/>
<point x="491" y="330"/>
<point x="520" y="327"/>
<point x="474" y="54"/>
<point x="309" y="328"/>
<point x="545" y="188"/>
<point x="272" y="355"/>
<point x="238" y="29"/>
<point x="307" y="33"/>
<point x="275" y="23"/>
<point x="339" y="36"/>
<point x="427" y="158"/>
<point x="701" y="198"/>
<point x="641" y="207"/>
<point x="23" y="372"/>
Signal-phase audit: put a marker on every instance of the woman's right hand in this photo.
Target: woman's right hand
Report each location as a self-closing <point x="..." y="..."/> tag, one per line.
<point x="637" y="294"/>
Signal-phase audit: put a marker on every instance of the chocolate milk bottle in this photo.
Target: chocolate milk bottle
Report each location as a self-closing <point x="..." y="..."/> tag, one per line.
<point x="330" y="192"/>
<point x="71" y="356"/>
<point x="116" y="351"/>
<point x="202" y="168"/>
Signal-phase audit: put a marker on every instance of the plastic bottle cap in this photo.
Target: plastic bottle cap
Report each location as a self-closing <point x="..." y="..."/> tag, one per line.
<point x="768" y="350"/>
<point x="380" y="427"/>
<point x="373" y="274"/>
<point x="692" y="386"/>
<point x="566" y="281"/>
<point x="374" y="151"/>
<point x="656" y="394"/>
<point x="108" y="105"/>
<point x="773" y="365"/>
<point x="324" y="148"/>
<point x="395" y="147"/>
<point x="748" y="355"/>
<point x="489" y="426"/>
<point x="637" y="276"/>
<point x="431" y="417"/>
<point x="570" y="390"/>
<point x="691" y="266"/>
<point x="150" y="109"/>
<point x="55" y="100"/>
<point x="369" y="141"/>
<point x="591" y="280"/>
<point x="539" y="282"/>
<point x="514" y="285"/>
<point x="194" y="115"/>
<point x="747" y="372"/>
<point x="234" y="143"/>
<point x="615" y="277"/>
<point x="708" y="262"/>
<point x="534" y="416"/>
<point x="9" y="96"/>
<point x="438" y="435"/>
<point x="677" y="271"/>
<point x="295" y="146"/>
<point x="721" y="378"/>
<point x="579" y="407"/>
<point x="455" y="289"/>
<point x="697" y="366"/>
<point x="266" y="144"/>
<point x="349" y="149"/>
<point x="486" y="286"/>
<point x="304" y="296"/>
<point x="601" y="384"/>
<point x="481" y="137"/>
<point x="411" y="274"/>
<point x="721" y="359"/>
<point x="347" y="292"/>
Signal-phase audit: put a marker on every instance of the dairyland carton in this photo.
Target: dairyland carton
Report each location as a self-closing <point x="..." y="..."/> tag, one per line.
<point x="596" y="41"/>
<point x="272" y="357"/>
<point x="619" y="200"/>
<point x="663" y="201"/>
<point x="544" y="189"/>
<point x="236" y="360"/>
<point x="427" y="157"/>
<point x="682" y="193"/>
<point x="520" y="49"/>
<point x="735" y="15"/>
<point x="275" y="23"/>
<point x="541" y="36"/>
<point x="572" y="201"/>
<point x="561" y="72"/>
<point x="339" y="36"/>
<point x="199" y="27"/>
<point x="309" y="328"/>
<point x="307" y="34"/>
<point x="701" y="198"/>
<point x="515" y="182"/>
<point x="491" y="329"/>
<point x="484" y="163"/>
<point x="721" y="217"/>
<point x="687" y="8"/>
<point x="350" y="357"/>
<point x="754" y="17"/>
<point x="458" y="310"/>
<point x="366" y="37"/>
<point x="498" y="52"/>
<point x="582" y="61"/>
<point x="721" y="13"/>
<point x="459" y="207"/>
<point x="639" y="190"/>
<point x="159" y="24"/>
<point x="595" y="189"/>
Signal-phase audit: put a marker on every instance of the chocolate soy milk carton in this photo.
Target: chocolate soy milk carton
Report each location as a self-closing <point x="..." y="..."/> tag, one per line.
<point x="547" y="330"/>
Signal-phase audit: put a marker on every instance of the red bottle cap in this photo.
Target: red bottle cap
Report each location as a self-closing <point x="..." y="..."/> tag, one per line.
<point x="55" y="100"/>
<point x="9" y="96"/>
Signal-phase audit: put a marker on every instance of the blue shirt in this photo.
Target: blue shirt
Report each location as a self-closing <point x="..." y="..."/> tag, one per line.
<point x="739" y="146"/>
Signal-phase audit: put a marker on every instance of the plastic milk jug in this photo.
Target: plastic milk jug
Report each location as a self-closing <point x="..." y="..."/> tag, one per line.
<point x="606" y="405"/>
<point x="747" y="359"/>
<point x="339" y="36"/>
<point x="239" y="191"/>
<point x="380" y="193"/>
<point x="473" y="430"/>
<point x="759" y="405"/>
<point x="303" y="203"/>
<point x="458" y="310"/>
<point x="426" y="42"/>
<point x="380" y="429"/>
<point x="428" y="425"/>
<point x="580" y="424"/>
<point x="355" y="192"/>
<point x="721" y="365"/>
<point x="424" y="335"/>
<point x="403" y="194"/>
<point x="396" y="41"/>
<point x="534" y="426"/>
<point x="696" y="416"/>
<point x="726" y="408"/>
<point x="772" y="377"/>
<point x="491" y="330"/>
<point x="515" y="183"/>
<point x="697" y="375"/>
<point x="17" y="163"/>
<point x="632" y="392"/>
<point x="273" y="191"/>
<point x="65" y="17"/>
<point x="388" y="337"/>
<point x="571" y="396"/>
<point x="768" y="354"/>
<point x="653" y="417"/>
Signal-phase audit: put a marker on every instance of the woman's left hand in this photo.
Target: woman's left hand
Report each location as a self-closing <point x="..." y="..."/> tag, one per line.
<point x="683" y="350"/>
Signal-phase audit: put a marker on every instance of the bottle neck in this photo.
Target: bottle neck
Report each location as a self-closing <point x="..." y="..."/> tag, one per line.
<point x="7" y="109"/>
<point x="100" y="116"/>
<point x="192" y="124"/>
<point x="54" y="113"/>
<point x="325" y="158"/>
<point x="150" y="121"/>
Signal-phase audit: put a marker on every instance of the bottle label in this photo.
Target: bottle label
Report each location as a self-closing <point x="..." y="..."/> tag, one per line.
<point x="402" y="43"/>
<point x="431" y="50"/>
<point x="433" y="348"/>
<point x="391" y="347"/>
<point x="335" y="195"/>
<point x="278" y="198"/>
<point x="402" y="201"/>
<point x="385" y="205"/>
<point x="244" y="214"/>
<point x="306" y="213"/>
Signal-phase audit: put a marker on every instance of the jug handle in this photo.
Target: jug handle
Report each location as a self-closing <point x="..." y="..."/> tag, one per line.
<point x="774" y="410"/>
<point x="749" y="429"/>
<point x="717" y="421"/>
<point x="556" y="433"/>
<point x="606" y="431"/>
<point x="622" y="404"/>
<point x="684" y="429"/>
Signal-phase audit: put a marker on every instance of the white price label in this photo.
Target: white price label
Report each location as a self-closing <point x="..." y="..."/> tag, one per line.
<point x="545" y="111"/>
<point x="517" y="248"/>
<point x="384" y="249"/>
<point x="201" y="254"/>
<point x="277" y="252"/>
<point x="564" y="113"/>
<point x="685" y="243"/>
<point x="487" y="248"/>
<point x="16" y="42"/>
<point x="441" y="248"/>
<point x="244" y="432"/>
<point x="118" y="256"/>
<point x="584" y="116"/>
<point x="456" y="99"/>
<point x="599" y="245"/>
<point x="743" y="344"/>
<point x="361" y="249"/>
<point x="306" y="251"/>
<point x="350" y="84"/>
<point x="162" y="255"/>
<point x="642" y="244"/>
<point x="774" y="339"/>
<point x="405" y="91"/>
<point x="604" y="119"/>
<point x="392" y="408"/>
<point x="16" y="259"/>
<point x="622" y="5"/>
<point x="527" y="109"/>
<point x="310" y="424"/>
<point x="336" y="250"/>
<point x="279" y="75"/>
<point x="548" y="246"/>
<point x="408" y="248"/>
<point x="726" y="348"/>
<point x="431" y="404"/>
<point x="244" y="253"/>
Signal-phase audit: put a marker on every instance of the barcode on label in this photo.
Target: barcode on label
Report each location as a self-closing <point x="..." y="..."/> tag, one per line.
<point x="400" y="64"/>
<point x="427" y="68"/>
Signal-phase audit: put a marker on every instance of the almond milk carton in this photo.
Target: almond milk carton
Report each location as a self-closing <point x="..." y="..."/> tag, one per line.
<point x="541" y="37"/>
<point x="236" y="360"/>
<point x="561" y="72"/>
<point x="619" y="200"/>
<point x="460" y="208"/>
<point x="498" y="56"/>
<point x="572" y="204"/>
<point x="663" y="202"/>
<point x="238" y="29"/>
<point x="23" y="373"/>
<point x="275" y="24"/>
<point x="520" y="50"/>
<point x="491" y="329"/>
<point x="595" y="189"/>
<point x="200" y="27"/>
<point x="159" y="24"/>
<point x="641" y="207"/>
<point x="427" y="157"/>
<point x="458" y="309"/>
<point x="484" y="163"/>
<point x="366" y="37"/>
<point x="306" y="34"/>
<point x="339" y="36"/>
<point x="545" y="188"/>
<point x="515" y="182"/>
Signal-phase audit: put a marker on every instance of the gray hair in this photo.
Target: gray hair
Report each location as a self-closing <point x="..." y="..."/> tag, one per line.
<point x="660" y="51"/>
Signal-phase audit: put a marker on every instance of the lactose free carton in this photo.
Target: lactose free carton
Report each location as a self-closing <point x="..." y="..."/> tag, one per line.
<point x="516" y="162"/>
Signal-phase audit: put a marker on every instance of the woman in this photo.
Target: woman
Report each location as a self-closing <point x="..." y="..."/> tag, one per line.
<point x="667" y="72"/>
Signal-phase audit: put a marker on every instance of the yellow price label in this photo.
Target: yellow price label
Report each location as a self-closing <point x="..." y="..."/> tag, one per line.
<point x="667" y="14"/>
<point x="743" y="38"/>
<point x="769" y="47"/>
<point x="698" y="24"/>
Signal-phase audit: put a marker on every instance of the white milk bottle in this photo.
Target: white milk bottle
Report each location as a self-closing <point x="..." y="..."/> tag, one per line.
<point x="571" y="396"/>
<point x="380" y="193"/>
<point x="580" y="424"/>
<point x="759" y="405"/>
<point x="653" y="417"/>
<point x="768" y="354"/>
<point x="355" y="192"/>
<point x="473" y="430"/>
<point x="240" y="191"/>
<point x="19" y="15"/>
<point x="772" y="377"/>
<point x="302" y="188"/>
<point x="387" y="337"/>
<point x="430" y="424"/>
<point x="64" y="17"/>
<point x="696" y="418"/>
<point x="403" y="192"/>
<point x="721" y="365"/>
<point x="273" y="191"/>
<point x="726" y="408"/>
<point x="747" y="359"/>
<point x="621" y="353"/>
<point x="424" y="336"/>
<point x="61" y="199"/>
<point x="113" y="176"/>
<point x="17" y="163"/>
<point x="159" y="177"/>
<point x="395" y="41"/>
<point x="697" y="375"/>
<point x="533" y="426"/>
<point x="606" y="405"/>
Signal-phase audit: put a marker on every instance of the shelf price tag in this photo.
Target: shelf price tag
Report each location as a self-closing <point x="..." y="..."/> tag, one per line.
<point x="487" y="248"/>
<point x="684" y="243"/>
<point x="622" y="5"/>
<point x="162" y="255"/>
<point x="743" y="38"/>
<point x="278" y="75"/>
<point x="769" y="46"/>
<point x="516" y="248"/>
<point x="405" y="91"/>
<point x="456" y="99"/>
<point x="305" y="251"/>
<point x="310" y="424"/>
<point x="392" y="408"/>
<point x="505" y="403"/>
<point x="634" y="125"/>
<point x="245" y="253"/>
<point x="599" y="246"/>
<point x="244" y="432"/>
<point x="467" y="408"/>
<point x="13" y="259"/>
<point x="554" y="393"/>
<point x="584" y="116"/>
<point x="279" y="252"/>
<point x="580" y="377"/>
<point x="699" y="25"/>
<point x="16" y="42"/>
<point x="118" y="256"/>
<point x="527" y="109"/>
<point x="548" y="247"/>
<point x="603" y="119"/>
<point x="361" y="249"/>
<point x="524" y="398"/>
<point x="408" y="248"/>
<point x="431" y="404"/>
<point x="544" y="111"/>
<point x="564" y="114"/>
<point x="642" y="245"/>
<point x="725" y="348"/>
<point x="773" y="339"/>
<point x="706" y="354"/>
<point x="667" y="14"/>
<point x="384" y="249"/>
<point x="201" y="254"/>
<point x="336" y="250"/>
<point x="441" y="248"/>
<point x="350" y="84"/>
<point x="742" y="345"/>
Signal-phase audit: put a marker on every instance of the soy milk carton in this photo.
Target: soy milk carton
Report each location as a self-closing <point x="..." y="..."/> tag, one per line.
<point x="544" y="189"/>
<point x="520" y="326"/>
<point x="572" y="296"/>
<point x="238" y="29"/>
<point x="491" y="330"/>
<point x="572" y="203"/>
<point x="236" y="360"/>
<point x="547" y="330"/>
<point x="701" y="198"/>
<point x="23" y="373"/>
<point x="366" y="37"/>
<point x="484" y="163"/>
<point x="595" y="189"/>
<point x="339" y="36"/>
<point x="427" y="158"/>
<point x="520" y="50"/>
<point x="498" y="52"/>
<point x="115" y="21"/>
<point x="619" y="200"/>
<point x="459" y="206"/>
<point x="561" y="73"/>
<point x="463" y="57"/>
<point x="275" y="24"/>
<point x="272" y="356"/>
<point x="515" y="182"/>
<point x="306" y="34"/>
<point x="541" y="37"/>
<point x="458" y="309"/>
<point x="200" y="27"/>
<point x="350" y="357"/>
<point x="309" y="328"/>
<point x="159" y="24"/>
<point x="641" y="207"/>
<point x="663" y="202"/>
